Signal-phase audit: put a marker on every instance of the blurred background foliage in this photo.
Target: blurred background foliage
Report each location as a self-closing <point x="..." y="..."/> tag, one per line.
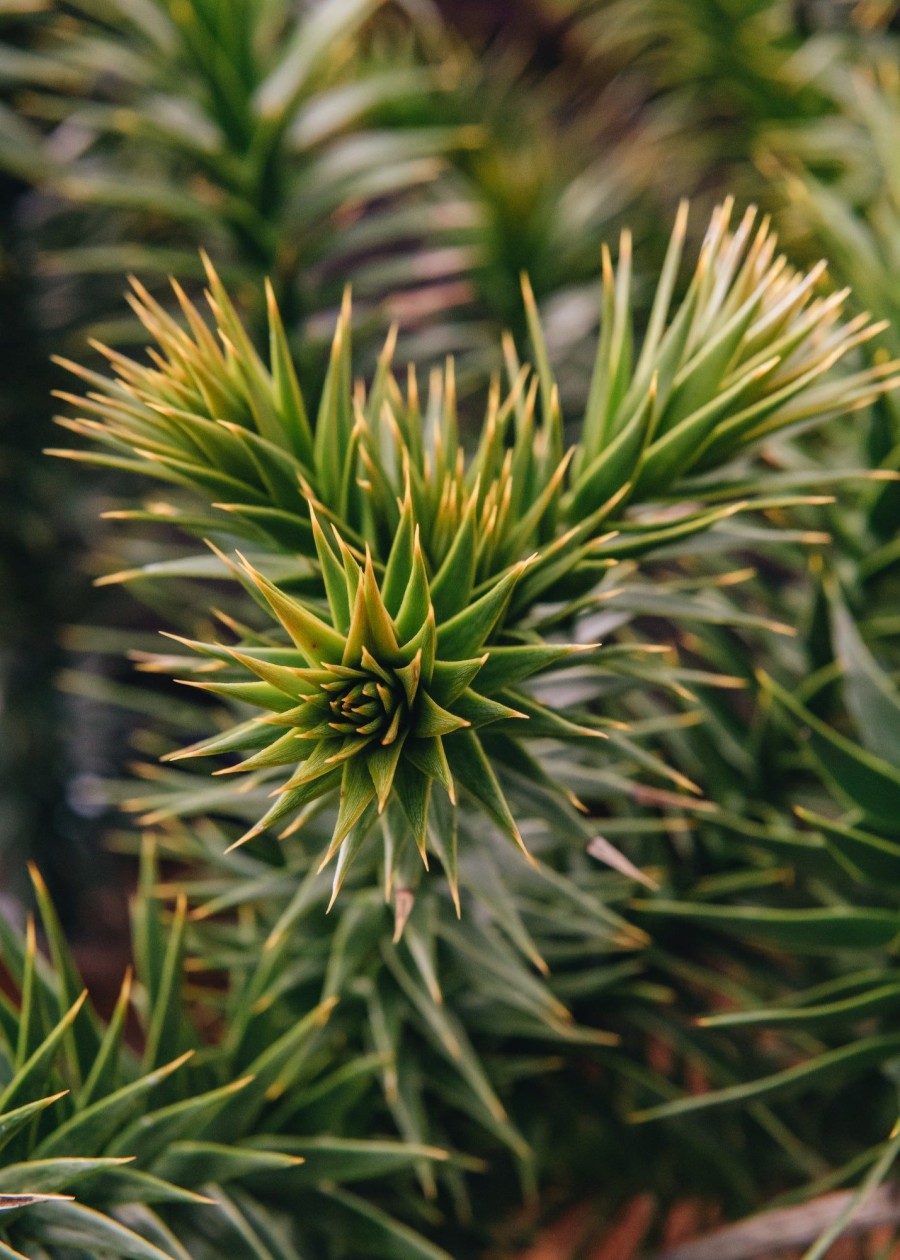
<point x="430" y="154"/>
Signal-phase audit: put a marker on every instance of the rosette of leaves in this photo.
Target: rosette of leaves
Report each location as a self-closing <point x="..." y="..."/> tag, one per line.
<point x="508" y="498"/>
<point x="132" y="133"/>
<point x="193" y="1143"/>
<point x="386" y="697"/>
<point x="371" y="455"/>
<point x="657" y="455"/>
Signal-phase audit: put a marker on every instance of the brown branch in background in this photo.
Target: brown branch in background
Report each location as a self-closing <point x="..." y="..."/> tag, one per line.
<point x="624" y="1239"/>
<point x="563" y="1238"/>
<point x="775" y="1232"/>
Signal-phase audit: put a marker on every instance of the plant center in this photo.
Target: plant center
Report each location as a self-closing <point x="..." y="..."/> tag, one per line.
<point x="367" y="707"/>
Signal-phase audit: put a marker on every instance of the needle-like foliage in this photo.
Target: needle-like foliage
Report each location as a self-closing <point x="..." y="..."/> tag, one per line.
<point x="743" y="355"/>
<point x="483" y="661"/>
<point x="255" y="128"/>
<point x="195" y="1142"/>
<point x="421" y="564"/>
<point x="382" y="700"/>
<point x="416" y="675"/>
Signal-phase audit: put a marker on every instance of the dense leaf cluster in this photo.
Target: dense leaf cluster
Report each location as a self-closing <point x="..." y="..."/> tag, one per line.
<point x="614" y="603"/>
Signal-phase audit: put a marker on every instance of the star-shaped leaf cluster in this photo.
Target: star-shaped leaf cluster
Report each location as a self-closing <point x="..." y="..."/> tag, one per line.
<point x="422" y="562"/>
<point x="381" y="700"/>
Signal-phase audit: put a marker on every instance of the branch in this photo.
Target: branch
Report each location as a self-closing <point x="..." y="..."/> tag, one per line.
<point x="790" y="1227"/>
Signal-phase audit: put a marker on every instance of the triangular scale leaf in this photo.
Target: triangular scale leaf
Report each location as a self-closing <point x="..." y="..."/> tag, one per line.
<point x="472" y="770"/>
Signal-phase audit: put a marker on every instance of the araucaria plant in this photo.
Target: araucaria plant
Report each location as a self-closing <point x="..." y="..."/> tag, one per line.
<point x="417" y="710"/>
<point x="414" y="603"/>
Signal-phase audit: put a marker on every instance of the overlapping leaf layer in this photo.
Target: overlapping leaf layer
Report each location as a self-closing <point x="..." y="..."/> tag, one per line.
<point x="148" y="1135"/>
<point x="417" y="557"/>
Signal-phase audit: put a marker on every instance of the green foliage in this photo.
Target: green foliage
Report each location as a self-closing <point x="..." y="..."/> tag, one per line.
<point x="381" y="697"/>
<point x="550" y="176"/>
<point x="387" y="550"/>
<point x="211" y="415"/>
<point x="250" y="128"/>
<point x="842" y="855"/>
<point x="183" y="1146"/>
<point x="721" y="76"/>
<point x="406" y="659"/>
<point x="436" y="561"/>
<point x="841" y="185"/>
